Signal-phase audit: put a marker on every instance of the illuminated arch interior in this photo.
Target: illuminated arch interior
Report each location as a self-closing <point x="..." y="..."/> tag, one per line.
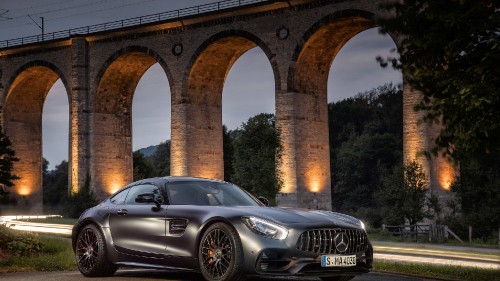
<point x="23" y="124"/>
<point x="112" y="139"/>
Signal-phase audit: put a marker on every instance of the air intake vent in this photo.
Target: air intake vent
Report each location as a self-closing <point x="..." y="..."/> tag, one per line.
<point x="177" y="226"/>
<point x="333" y="241"/>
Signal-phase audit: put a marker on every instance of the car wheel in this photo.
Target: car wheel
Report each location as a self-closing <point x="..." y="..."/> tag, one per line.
<point x="90" y="253"/>
<point x="220" y="254"/>
<point x="337" y="278"/>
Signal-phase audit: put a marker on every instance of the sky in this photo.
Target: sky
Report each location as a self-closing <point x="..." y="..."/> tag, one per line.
<point x="249" y="87"/>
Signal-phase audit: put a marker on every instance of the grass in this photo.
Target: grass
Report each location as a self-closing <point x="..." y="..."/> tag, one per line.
<point x="438" y="271"/>
<point x="378" y="235"/>
<point x="55" y="254"/>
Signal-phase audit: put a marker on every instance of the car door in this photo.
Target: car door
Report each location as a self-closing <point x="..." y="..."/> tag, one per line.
<point x="138" y="225"/>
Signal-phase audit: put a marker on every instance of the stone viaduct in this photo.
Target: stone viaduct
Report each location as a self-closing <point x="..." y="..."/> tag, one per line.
<point x="100" y="71"/>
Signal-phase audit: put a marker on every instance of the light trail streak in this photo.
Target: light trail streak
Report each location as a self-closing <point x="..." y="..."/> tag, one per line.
<point x="14" y="222"/>
<point x="441" y="261"/>
<point x="438" y="253"/>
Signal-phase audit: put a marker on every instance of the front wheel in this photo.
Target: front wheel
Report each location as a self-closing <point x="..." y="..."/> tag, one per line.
<point x="220" y="254"/>
<point x="90" y="253"/>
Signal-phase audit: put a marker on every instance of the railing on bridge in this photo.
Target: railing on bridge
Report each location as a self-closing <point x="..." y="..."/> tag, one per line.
<point x="170" y="15"/>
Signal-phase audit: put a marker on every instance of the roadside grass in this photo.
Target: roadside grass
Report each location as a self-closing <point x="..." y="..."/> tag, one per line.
<point x="438" y="271"/>
<point x="379" y="235"/>
<point x="39" y="254"/>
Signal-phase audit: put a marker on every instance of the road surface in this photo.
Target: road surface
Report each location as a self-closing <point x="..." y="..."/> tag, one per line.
<point x="149" y="275"/>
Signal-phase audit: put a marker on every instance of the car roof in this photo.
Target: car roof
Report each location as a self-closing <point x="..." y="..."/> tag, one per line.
<point x="176" y="179"/>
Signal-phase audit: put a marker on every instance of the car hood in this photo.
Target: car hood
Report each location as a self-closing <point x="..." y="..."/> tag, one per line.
<point x="289" y="216"/>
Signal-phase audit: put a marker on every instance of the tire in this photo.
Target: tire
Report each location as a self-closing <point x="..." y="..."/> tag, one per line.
<point x="337" y="278"/>
<point x="90" y="252"/>
<point x="220" y="254"/>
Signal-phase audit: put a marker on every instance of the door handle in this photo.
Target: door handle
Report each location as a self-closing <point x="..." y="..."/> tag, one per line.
<point x="122" y="212"/>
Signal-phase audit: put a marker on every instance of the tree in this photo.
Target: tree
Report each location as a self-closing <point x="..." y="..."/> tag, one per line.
<point x="450" y="53"/>
<point x="7" y="159"/>
<point x="80" y="201"/>
<point x="160" y="160"/>
<point x="142" y="168"/>
<point x="365" y="142"/>
<point x="228" y="149"/>
<point x="254" y="165"/>
<point x="476" y="197"/>
<point x="55" y="184"/>
<point x="405" y="195"/>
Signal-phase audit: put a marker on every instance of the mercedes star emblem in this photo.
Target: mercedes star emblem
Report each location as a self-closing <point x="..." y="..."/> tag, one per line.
<point x="341" y="242"/>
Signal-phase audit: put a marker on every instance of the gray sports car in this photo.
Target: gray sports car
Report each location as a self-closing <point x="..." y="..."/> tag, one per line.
<point x="218" y="229"/>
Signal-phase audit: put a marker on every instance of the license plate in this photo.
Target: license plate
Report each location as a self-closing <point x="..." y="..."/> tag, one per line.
<point x="339" y="261"/>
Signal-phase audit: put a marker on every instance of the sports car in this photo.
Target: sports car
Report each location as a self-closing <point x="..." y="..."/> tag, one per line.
<point x="218" y="229"/>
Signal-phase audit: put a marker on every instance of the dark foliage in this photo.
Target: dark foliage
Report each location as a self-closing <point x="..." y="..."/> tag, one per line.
<point x="142" y="168"/>
<point x="76" y="203"/>
<point x="405" y="196"/>
<point x="477" y="197"/>
<point x="365" y="142"/>
<point x="228" y="151"/>
<point x="155" y="165"/>
<point x="55" y="184"/>
<point x="255" y="144"/>
<point x="7" y="159"/>
<point x="450" y="53"/>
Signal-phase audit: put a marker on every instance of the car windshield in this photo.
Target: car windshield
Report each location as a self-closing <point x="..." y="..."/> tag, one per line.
<point x="206" y="193"/>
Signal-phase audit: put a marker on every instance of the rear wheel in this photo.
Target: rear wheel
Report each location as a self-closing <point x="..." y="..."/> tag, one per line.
<point x="90" y="253"/>
<point x="220" y="254"/>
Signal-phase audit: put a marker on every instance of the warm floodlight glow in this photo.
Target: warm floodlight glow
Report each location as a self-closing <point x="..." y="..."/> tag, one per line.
<point x="315" y="179"/>
<point x="446" y="176"/>
<point x="114" y="187"/>
<point x="24" y="190"/>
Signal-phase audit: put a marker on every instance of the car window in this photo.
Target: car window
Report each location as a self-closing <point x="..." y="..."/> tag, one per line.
<point x="141" y="190"/>
<point x="206" y="193"/>
<point x="119" y="198"/>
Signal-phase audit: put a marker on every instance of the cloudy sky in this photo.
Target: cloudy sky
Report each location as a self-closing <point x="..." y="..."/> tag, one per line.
<point x="249" y="87"/>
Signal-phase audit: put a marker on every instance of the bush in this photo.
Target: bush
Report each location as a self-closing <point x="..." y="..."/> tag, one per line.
<point x="19" y="244"/>
<point x="80" y="201"/>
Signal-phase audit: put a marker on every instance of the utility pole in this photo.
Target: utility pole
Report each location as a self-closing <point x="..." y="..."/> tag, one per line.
<point x="43" y="30"/>
<point x="42" y="27"/>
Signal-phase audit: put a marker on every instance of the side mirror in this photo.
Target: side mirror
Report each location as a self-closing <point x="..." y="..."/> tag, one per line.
<point x="263" y="200"/>
<point x="147" y="198"/>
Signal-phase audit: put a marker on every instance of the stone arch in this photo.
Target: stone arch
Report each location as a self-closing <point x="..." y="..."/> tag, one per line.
<point x="237" y="43"/>
<point x="22" y="121"/>
<point x="319" y="46"/>
<point x="307" y="182"/>
<point x="112" y="166"/>
<point x="202" y="98"/>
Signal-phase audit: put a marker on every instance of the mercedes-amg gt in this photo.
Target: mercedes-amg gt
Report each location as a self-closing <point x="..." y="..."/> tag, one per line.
<point x="217" y="229"/>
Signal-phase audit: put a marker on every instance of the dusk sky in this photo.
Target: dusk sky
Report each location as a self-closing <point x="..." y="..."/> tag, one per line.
<point x="249" y="87"/>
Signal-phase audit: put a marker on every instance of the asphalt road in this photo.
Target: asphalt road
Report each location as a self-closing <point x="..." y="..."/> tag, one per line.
<point x="144" y="275"/>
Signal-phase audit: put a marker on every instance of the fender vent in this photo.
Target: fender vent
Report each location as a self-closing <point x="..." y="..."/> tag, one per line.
<point x="177" y="226"/>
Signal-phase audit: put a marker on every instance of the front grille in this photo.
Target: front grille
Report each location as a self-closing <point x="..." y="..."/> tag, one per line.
<point x="322" y="241"/>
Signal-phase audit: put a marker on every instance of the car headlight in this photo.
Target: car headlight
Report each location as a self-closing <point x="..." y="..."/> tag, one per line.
<point x="362" y="225"/>
<point x="266" y="228"/>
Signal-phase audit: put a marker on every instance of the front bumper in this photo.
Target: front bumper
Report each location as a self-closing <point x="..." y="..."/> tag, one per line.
<point x="265" y="256"/>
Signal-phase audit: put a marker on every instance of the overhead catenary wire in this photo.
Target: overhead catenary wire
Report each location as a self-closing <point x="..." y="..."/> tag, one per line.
<point x="78" y="12"/>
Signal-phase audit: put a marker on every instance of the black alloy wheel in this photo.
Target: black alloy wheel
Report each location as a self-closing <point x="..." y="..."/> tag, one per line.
<point x="220" y="254"/>
<point x="91" y="253"/>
